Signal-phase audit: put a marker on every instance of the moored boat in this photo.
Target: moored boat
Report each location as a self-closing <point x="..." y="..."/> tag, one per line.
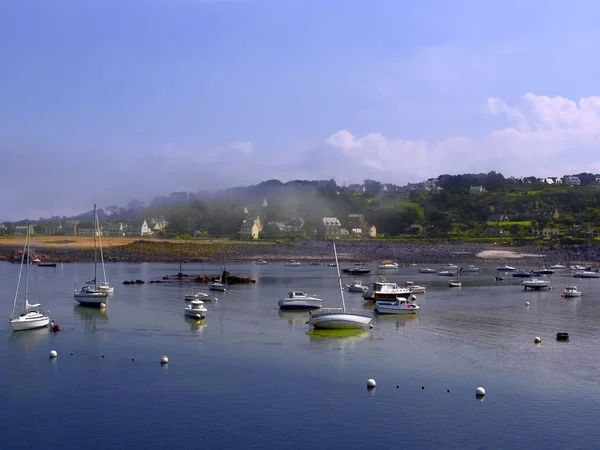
<point x="383" y="290"/>
<point x="536" y="284"/>
<point x="399" y="306"/>
<point x="300" y="301"/>
<point x="356" y="286"/>
<point x="571" y="291"/>
<point x="195" y="309"/>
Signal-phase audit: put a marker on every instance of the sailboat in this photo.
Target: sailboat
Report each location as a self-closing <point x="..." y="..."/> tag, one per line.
<point x="104" y="286"/>
<point x="90" y="294"/>
<point x="339" y="318"/>
<point x="455" y="282"/>
<point x="32" y="316"/>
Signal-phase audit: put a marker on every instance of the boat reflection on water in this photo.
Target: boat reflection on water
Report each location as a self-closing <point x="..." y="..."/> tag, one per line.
<point x="91" y="318"/>
<point x="195" y="324"/>
<point x="30" y="339"/>
<point x="402" y="321"/>
<point x="339" y="339"/>
<point x="295" y="319"/>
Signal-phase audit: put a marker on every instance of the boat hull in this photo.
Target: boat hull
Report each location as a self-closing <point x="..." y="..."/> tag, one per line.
<point x="195" y="313"/>
<point x="571" y="294"/>
<point x="217" y="287"/>
<point x="339" y="321"/>
<point x="29" y="322"/>
<point x="586" y="274"/>
<point x="91" y="299"/>
<point x="535" y="285"/>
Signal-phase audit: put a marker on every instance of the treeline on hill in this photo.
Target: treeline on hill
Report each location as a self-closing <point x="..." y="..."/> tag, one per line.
<point x="437" y="208"/>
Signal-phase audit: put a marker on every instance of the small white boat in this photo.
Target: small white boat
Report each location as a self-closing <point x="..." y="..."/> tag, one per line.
<point x="453" y="283"/>
<point x="505" y="268"/>
<point x="580" y="267"/>
<point x="33" y="316"/>
<point x="414" y="288"/>
<point x="427" y="270"/>
<point x="571" y="291"/>
<point x="356" y="286"/>
<point x="451" y="267"/>
<point x="195" y="309"/>
<point x="470" y="268"/>
<point x="299" y="300"/>
<point x="196" y="296"/>
<point x="558" y="266"/>
<point x="261" y="262"/>
<point x="292" y="263"/>
<point x="104" y="286"/>
<point x="586" y="274"/>
<point x="399" y="306"/>
<point x="339" y="318"/>
<point x="388" y="265"/>
<point x="535" y="283"/>
<point x="217" y="286"/>
<point x="447" y="273"/>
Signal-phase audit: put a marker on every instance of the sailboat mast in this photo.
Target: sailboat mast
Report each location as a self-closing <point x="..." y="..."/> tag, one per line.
<point x="95" y="245"/>
<point x="27" y="238"/>
<point x="337" y="266"/>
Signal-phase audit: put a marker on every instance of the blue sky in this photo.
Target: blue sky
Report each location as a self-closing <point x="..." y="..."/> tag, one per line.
<point x="108" y="100"/>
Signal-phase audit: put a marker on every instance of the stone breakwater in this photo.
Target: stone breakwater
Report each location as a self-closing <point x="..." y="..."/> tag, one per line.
<point x="368" y="251"/>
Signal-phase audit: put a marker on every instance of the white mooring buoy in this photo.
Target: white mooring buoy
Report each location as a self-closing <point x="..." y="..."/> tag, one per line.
<point x="371" y="383"/>
<point x="164" y="360"/>
<point x="102" y="305"/>
<point x="53" y="354"/>
<point x="480" y="392"/>
<point x="526" y="303"/>
<point x="537" y="340"/>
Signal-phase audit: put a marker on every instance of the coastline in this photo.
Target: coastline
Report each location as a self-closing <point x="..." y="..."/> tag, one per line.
<point x="67" y="250"/>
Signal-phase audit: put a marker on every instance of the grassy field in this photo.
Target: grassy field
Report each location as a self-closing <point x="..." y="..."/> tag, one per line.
<point x="525" y="223"/>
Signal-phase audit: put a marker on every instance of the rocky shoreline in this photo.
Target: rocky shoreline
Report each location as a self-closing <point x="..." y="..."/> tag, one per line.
<point x="309" y="250"/>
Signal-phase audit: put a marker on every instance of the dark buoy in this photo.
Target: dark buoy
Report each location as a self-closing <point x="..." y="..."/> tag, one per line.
<point x="562" y="337"/>
<point x="448" y="391"/>
<point x="397" y="386"/>
<point x="422" y="387"/>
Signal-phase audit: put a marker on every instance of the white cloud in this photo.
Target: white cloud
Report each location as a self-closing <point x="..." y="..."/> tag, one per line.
<point x="242" y="146"/>
<point x="545" y="136"/>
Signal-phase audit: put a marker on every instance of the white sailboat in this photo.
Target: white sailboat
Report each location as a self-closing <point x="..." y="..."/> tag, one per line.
<point x="32" y="316"/>
<point x="339" y="318"/>
<point x="104" y="286"/>
<point x="90" y="295"/>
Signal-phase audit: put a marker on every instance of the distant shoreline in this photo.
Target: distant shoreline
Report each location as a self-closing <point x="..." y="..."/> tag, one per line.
<point x="135" y="250"/>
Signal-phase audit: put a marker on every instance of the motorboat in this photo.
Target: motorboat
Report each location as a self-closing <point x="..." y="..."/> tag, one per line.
<point x="586" y="274"/>
<point x="521" y="274"/>
<point x="542" y="271"/>
<point x="454" y="283"/>
<point x="536" y="284"/>
<point x="450" y="267"/>
<point x="399" y="306"/>
<point x="105" y="286"/>
<point x="292" y="263"/>
<point x="414" y="288"/>
<point x="505" y="268"/>
<point x="447" y="273"/>
<point x="195" y="296"/>
<point x="388" y="265"/>
<point x="358" y="269"/>
<point x="356" y="286"/>
<point x="581" y="267"/>
<point x="195" y="309"/>
<point x="383" y="290"/>
<point x="571" y="291"/>
<point x="427" y="270"/>
<point x="339" y="318"/>
<point x="217" y="286"/>
<point x="558" y="266"/>
<point x="470" y="268"/>
<point x="261" y="262"/>
<point x="299" y="300"/>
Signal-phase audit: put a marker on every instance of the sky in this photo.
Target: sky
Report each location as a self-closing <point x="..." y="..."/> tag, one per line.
<point x="104" y="101"/>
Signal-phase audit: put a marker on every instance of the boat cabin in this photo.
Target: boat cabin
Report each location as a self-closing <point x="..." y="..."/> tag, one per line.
<point x="296" y="294"/>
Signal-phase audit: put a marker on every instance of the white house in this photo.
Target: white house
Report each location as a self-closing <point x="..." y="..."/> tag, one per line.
<point x="251" y="229"/>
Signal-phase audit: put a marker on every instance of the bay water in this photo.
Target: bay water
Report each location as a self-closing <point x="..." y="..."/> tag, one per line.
<point x="253" y="377"/>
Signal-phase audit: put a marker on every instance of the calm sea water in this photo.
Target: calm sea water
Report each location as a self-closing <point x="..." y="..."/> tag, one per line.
<point x="253" y="377"/>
